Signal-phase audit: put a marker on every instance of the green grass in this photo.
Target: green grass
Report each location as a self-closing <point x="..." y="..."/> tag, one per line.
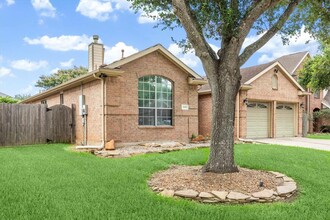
<point x="320" y="136"/>
<point x="50" y="182"/>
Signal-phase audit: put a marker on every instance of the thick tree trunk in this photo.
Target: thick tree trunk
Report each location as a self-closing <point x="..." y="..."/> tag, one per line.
<point x="224" y="85"/>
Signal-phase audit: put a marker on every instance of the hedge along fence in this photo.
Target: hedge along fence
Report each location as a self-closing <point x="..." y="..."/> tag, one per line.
<point x="35" y="124"/>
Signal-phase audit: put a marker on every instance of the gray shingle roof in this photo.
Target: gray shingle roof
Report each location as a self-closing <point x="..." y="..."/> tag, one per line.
<point x="289" y="62"/>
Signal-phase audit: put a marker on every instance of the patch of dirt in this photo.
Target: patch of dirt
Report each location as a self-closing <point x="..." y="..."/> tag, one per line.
<point x="191" y="177"/>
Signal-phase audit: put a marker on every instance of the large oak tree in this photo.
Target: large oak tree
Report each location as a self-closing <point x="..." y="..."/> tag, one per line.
<point x="229" y="22"/>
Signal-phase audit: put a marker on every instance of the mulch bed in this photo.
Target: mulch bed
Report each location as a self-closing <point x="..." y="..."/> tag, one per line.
<point x="191" y="177"/>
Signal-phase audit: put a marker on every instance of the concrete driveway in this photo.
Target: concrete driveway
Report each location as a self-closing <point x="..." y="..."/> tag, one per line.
<point x="298" y="142"/>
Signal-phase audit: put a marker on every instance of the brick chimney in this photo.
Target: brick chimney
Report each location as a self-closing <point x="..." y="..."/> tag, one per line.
<point x="95" y="54"/>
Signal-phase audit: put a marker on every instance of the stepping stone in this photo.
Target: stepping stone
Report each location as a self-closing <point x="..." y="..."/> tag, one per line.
<point x="288" y="183"/>
<point x="289" y="188"/>
<point x="189" y="193"/>
<point x="210" y="201"/>
<point x="220" y="194"/>
<point x="167" y="193"/>
<point x="205" y="195"/>
<point x="278" y="175"/>
<point x="287" y="179"/>
<point x="237" y="196"/>
<point x="266" y="193"/>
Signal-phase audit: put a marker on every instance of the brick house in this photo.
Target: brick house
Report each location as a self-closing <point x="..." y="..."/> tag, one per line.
<point x="270" y="102"/>
<point x="148" y="96"/>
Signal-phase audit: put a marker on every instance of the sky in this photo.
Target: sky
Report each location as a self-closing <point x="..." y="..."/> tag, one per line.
<point x="39" y="37"/>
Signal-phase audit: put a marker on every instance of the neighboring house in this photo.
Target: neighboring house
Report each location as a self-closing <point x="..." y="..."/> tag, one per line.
<point x="148" y="96"/>
<point x="270" y="102"/>
<point x="3" y="95"/>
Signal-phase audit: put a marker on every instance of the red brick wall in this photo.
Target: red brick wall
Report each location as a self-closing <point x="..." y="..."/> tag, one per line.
<point x="204" y="114"/>
<point x="262" y="91"/>
<point x="122" y="102"/>
<point x="92" y="93"/>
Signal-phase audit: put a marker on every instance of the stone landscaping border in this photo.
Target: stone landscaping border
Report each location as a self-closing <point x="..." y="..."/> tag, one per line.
<point x="285" y="190"/>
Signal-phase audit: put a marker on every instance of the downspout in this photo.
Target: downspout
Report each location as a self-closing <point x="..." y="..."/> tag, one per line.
<point x="84" y="121"/>
<point x="102" y="78"/>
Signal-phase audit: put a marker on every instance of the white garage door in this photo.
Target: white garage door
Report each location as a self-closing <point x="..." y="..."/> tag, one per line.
<point x="257" y="120"/>
<point x="284" y="120"/>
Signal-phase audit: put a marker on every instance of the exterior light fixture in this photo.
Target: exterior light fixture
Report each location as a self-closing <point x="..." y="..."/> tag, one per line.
<point x="246" y="101"/>
<point x="302" y="105"/>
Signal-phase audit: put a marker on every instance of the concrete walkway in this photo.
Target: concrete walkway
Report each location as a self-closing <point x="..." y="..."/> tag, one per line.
<point x="298" y="142"/>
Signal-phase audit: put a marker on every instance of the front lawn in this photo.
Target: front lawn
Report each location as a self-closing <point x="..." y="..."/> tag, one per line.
<point x="50" y="182"/>
<point x="320" y="136"/>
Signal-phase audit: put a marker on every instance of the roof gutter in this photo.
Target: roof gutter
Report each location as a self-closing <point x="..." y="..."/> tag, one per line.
<point x="74" y="82"/>
<point x="243" y="87"/>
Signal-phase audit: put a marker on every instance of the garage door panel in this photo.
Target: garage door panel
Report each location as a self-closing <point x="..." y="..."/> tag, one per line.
<point x="257" y="120"/>
<point x="284" y="120"/>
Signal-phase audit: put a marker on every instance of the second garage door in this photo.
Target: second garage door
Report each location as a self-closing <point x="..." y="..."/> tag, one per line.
<point x="284" y="120"/>
<point x="257" y="120"/>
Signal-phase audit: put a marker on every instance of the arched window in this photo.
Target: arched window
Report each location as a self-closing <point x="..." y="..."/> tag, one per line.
<point x="155" y="101"/>
<point x="274" y="82"/>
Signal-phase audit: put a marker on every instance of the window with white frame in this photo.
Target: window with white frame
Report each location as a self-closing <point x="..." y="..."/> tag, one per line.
<point x="155" y="94"/>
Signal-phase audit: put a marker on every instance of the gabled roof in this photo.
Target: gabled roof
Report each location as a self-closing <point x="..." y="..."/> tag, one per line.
<point x="94" y="75"/>
<point x="286" y="73"/>
<point x="3" y="94"/>
<point x="163" y="51"/>
<point x="289" y="63"/>
<point x="292" y="61"/>
<point x="250" y="74"/>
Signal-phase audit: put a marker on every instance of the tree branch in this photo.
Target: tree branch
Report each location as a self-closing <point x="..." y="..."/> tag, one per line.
<point x="252" y="14"/>
<point x="252" y="48"/>
<point x="194" y="32"/>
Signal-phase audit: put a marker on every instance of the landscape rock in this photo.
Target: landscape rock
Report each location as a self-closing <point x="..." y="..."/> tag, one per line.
<point x="283" y="190"/>
<point x="278" y="175"/>
<point x="287" y="179"/>
<point x="237" y="196"/>
<point x="220" y="194"/>
<point x="206" y="195"/>
<point x="110" y="145"/>
<point x="167" y="193"/>
<point x="189" y="193"/>
<point x="266" y="193"/>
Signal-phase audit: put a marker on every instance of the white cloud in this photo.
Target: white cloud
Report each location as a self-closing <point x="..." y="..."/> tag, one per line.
<point x="5" y="72"/>
<point x="114" y="53"/>
<point x="62" y="43"/>
<point x="10" y="2"/>
<point x="101" y="9"/>
<point x="152" y="18"/>
<point x="54" y="70"/>
<point x="28" y="65"/>
<point x="95" y="9"/>
<point x="121" y="4"/>
<point x="67" y="63"/>
<point x="189" y="58"/>
<point x="44" y="7"/>
<point x="275" y="48"/>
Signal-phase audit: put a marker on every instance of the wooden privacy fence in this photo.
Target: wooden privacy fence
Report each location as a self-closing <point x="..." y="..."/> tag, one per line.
<point x="35" y="124"/>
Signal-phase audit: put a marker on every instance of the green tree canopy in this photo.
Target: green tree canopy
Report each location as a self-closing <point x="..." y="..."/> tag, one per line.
<point x="60" y="77"/>
<point x="8" y="99"/>
<point x="228" y="23"/>
<point x="316" y="71"/>
<point x="21" y="97"/>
